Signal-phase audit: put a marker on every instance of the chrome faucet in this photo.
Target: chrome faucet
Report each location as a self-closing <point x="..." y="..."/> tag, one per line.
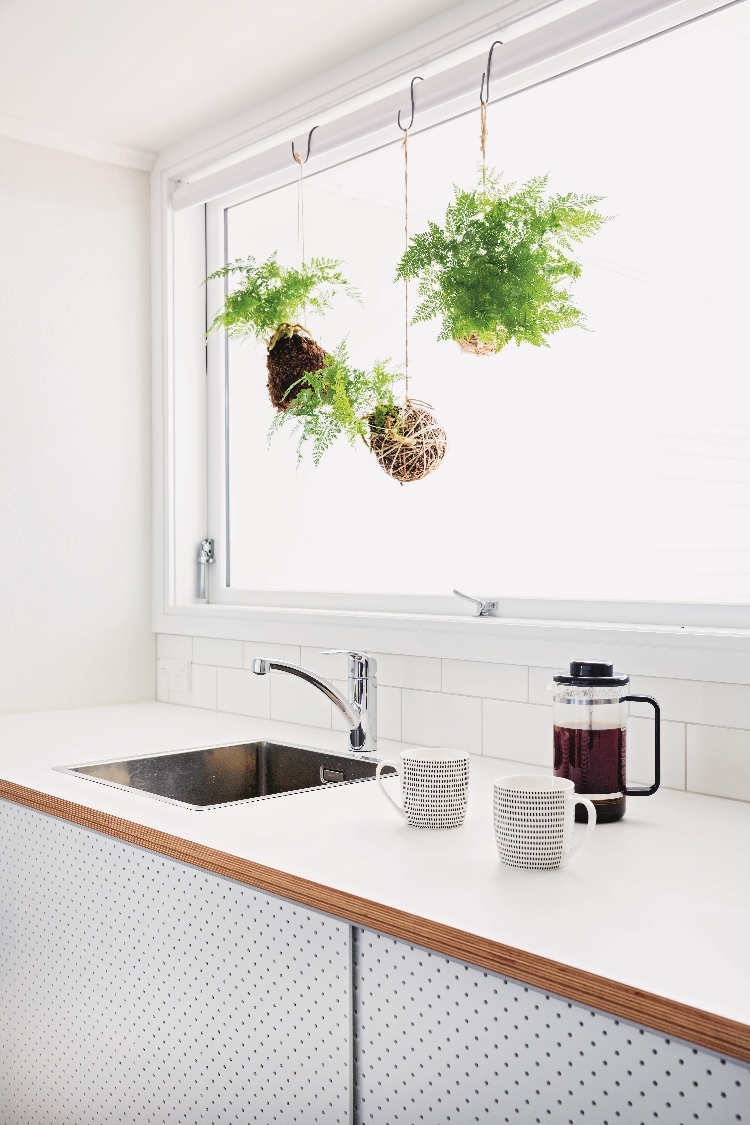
<point x="360" y="710"/>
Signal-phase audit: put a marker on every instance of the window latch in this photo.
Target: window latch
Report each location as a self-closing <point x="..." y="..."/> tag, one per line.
<point x="205" y="559"/>
<point x="485" y="606"/>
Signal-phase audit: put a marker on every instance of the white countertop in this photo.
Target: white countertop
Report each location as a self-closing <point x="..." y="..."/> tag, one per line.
<point x="659" y="901"/>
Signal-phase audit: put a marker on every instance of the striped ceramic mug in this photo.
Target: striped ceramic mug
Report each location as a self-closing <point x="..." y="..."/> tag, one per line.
<point x="534" y="817"/>
<point x="434" y="787"/>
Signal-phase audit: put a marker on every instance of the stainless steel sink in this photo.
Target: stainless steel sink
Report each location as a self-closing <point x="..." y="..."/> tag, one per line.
<point x="211" y="776"/>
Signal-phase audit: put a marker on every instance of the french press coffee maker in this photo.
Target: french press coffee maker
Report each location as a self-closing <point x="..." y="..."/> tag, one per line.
<point x="589" y="714"/>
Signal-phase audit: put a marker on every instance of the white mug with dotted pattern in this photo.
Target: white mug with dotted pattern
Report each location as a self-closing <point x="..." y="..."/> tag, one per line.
<point x="534" y="817"/>
<point x="434" y="787"/>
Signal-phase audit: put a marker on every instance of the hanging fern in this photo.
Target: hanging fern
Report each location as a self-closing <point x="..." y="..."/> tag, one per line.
<point x="271" y="295"/>
<point x="337" y="401"/>
<point x="501" y="269"/>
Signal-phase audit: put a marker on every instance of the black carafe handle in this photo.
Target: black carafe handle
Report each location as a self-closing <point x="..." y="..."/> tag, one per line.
<point x="657" y="744"/>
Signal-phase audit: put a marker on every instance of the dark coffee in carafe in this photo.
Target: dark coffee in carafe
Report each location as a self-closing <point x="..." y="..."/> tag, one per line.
<point x="594" y="760"/>
<point x="590" y="714"/>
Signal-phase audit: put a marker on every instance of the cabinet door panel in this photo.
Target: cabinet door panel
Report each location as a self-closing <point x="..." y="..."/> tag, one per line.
<point x="439" y="1041"/>
<point x="137" y="989"/>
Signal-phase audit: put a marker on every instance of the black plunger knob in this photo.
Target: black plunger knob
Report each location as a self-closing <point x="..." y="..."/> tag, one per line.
<point x="587" y="669"/>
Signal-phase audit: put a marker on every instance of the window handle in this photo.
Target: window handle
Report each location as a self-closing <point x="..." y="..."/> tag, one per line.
<point x="205" y="559"/>
<point x="485" y="606"/>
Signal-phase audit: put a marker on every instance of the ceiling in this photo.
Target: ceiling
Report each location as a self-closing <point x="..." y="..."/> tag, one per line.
<point x="146" y="73"/>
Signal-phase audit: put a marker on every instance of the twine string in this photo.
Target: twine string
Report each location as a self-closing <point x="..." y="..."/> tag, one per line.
<point x="405" y="146"/>
<point x="483" y="142"/>
<point x="300" y="213"/>
<point x="484" y="97"/>
<point x="300" y="223"/>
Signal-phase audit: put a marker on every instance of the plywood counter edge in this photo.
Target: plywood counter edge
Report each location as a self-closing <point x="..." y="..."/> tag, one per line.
<point x="704" y="1029"/>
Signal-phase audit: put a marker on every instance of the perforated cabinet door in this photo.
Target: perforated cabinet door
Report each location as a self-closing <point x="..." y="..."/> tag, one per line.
<point x="438" y="1042"/>
<point x="136" y="989"/>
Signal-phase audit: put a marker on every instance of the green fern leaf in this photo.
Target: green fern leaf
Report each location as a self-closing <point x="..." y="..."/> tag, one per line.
<point x="500" y="268"/>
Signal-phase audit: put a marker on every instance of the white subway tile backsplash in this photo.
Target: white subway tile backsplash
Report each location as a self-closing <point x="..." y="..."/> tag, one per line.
<point x="640" y="753"/>
<point x="332" y="667"/>
<point x="242" y="693"/>
<point x="521" y="732"/>
<point x="294" y="701"/>
<point x="220" y="653"/>
<point x="479" y="706"/>
<point x="389" y="713"/>
<point x="251" y="649"/>
<point x="694" y="701"/>
<point x="419" y="672"/>
<point x="203" y="688"/>
<point x="493" y="681"/>
<point x="538" y="680"/>
<point x="430" y="718"/>
<point x="171" y="647"/>
<point x="718" y="762"/>
<point x="162" y="691"/>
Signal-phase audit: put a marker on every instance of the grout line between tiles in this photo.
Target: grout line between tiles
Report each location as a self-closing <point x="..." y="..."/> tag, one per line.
<point x="481" y="726"/>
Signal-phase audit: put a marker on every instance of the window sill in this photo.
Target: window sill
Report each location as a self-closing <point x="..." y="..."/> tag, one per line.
<point x="702" y="652"/>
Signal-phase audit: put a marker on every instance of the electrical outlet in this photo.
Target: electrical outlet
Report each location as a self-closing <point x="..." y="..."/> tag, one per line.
<point x="175" y="674"/>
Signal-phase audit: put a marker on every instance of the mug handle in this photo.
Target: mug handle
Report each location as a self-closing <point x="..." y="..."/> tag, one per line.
<point x="395" y="765"/>
<point x="589" y="827"/>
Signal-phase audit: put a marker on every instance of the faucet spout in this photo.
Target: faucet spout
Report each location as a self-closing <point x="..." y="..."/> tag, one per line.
<point x="359" y="711"/>
<point x="349" y="710"/>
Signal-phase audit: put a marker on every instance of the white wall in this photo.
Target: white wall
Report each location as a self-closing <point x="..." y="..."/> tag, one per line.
<point x="74" y="431"/>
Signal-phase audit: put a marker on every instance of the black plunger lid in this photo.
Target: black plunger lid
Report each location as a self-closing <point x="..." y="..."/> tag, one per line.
<point x="590" y="673"/>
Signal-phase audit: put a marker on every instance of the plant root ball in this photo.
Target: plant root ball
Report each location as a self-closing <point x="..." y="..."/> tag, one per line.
<point x="472" y="345"/>
<point x="287" y="363"/>
<point x="411" y="445"/>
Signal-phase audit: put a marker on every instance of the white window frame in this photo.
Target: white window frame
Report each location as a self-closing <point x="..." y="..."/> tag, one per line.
<point x="191" y="187"/>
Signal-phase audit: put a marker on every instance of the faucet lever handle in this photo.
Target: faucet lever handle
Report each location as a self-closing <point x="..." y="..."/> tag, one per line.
<point x="484" y="605"/>
<point x="366" y="663"/>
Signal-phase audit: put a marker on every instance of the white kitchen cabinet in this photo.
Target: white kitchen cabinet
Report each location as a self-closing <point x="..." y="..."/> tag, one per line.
<point x="151" y="973"/>
<point x="141" y="989"/>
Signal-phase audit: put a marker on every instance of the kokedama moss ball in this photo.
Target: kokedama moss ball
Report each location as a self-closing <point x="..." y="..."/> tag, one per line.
<point x="288" y="360"/>
<point x="410" y="445"/>
<point x="472" y="345"/>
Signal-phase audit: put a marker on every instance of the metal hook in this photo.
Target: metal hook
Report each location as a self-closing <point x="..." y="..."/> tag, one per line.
<point x="406" y="128"/>
<point x="483" y="99"/>
<point x="296" y="155"/>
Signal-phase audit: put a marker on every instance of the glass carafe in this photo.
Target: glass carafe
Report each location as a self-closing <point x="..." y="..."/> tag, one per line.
<point x="590" y="715"/>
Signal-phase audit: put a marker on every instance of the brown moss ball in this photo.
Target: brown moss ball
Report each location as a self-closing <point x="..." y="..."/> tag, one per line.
<point x="287" y="362"/>
<point x="410" y="446"/>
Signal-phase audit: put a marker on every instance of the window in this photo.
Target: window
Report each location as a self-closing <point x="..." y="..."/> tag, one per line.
<point x="614" y="465"/>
